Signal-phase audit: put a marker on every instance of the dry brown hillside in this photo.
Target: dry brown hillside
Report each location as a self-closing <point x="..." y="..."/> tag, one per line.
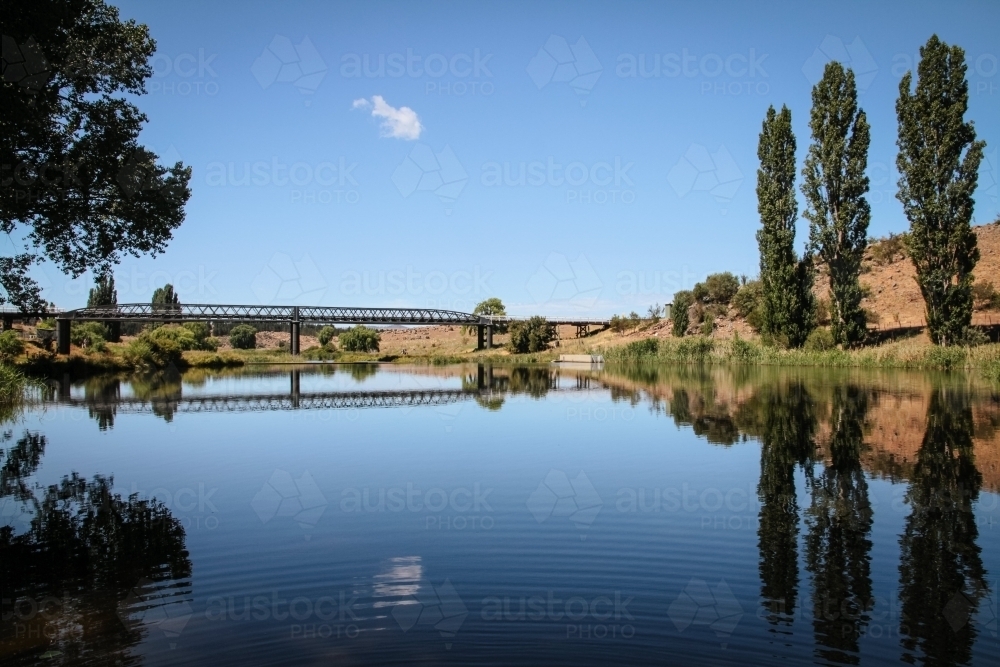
<point x="895" y="296"/>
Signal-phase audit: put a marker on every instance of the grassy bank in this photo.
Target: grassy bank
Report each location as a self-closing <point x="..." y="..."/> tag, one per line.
<point x="903" y="354"/>
<point x="15" y="386"/>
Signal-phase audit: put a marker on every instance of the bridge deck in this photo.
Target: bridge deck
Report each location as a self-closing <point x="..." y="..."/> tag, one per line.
<point x="296" y="316"/>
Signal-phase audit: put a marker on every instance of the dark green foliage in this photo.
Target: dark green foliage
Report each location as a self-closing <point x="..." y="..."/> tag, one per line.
<point x="103" y="293"/>
<point x="718" y="288"/>
<point x="18" y="288"/>
<point x="938" y="162"/>
<point x="492" y="306"/>
<point x="199" y="330"/>
<point x="834" y="186"/>
<point x="748" y="303"/>
<point x="360" y="339"/>
<point x="11" y="345"/>
<point x="326" y="334"/>
<point x="786" y="307"/>
<point x="82" y="191"/>
<point x="243" y="337"/>
<point x="149" y="350"/>
<point x="820" y="340"/>
<point x="533" y="335"/>
<point x="88" y="334"/>
<point x="164" y="298"/>
<point x="679" y="312"/>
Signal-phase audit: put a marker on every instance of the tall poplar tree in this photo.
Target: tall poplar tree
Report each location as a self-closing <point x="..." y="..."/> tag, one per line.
<point x="103" y="292"/>
<point x="788" y="307"/>
<point x="939" y="163"/>
<point x="835" y="185"/>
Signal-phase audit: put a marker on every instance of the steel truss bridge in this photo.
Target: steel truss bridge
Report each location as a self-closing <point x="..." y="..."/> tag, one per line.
<point x="295" y="317"/>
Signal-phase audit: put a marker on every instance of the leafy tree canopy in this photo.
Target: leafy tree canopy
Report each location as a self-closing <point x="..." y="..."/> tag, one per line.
<point x="77" y="186"/>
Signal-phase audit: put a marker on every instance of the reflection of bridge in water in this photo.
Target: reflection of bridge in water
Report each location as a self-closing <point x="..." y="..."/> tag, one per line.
<point x="482" y="387"/>
<point x="354" y="400"/>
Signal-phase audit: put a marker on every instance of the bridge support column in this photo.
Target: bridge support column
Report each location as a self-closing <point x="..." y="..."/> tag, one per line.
<point x="62" y="336"/>
<point x="8" y="323"/>
<point x="294" y="343"/>
<point x="489" y="337"/>
<point x="480" y="342"/>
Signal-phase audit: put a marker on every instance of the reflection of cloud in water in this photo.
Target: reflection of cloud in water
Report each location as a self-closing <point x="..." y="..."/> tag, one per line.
<point x="402" y="579"/>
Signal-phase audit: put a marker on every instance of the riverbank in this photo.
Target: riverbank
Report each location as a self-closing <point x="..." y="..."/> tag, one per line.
<point x="906" y="354"/>
<point x="911" y="354"/>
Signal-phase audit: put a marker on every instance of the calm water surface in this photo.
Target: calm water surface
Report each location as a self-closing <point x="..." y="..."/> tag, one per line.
<point x="380" y="515"/>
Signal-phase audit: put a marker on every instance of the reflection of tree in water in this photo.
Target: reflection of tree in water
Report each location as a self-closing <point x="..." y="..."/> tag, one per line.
<point x="710" y="420"/>
<point x="838" y="548"/>
<point x="361" y="372"/>
<point x="491" y="403"/>
<point x="102" y="393"/>
<point x="784" y="418"/>
<point x="162" y="390"/>
<point x="941" y="574"/>
<point x="536" y="382"/>
<point x="84" y="551"/>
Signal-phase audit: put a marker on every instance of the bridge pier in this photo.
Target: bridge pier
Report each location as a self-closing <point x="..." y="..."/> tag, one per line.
<point x="294" y="343"/>
<point x="480" y="337"/>
<point x="8" y="322"/>
<point x="62" y="336"/>
<point x="489" y="337"/>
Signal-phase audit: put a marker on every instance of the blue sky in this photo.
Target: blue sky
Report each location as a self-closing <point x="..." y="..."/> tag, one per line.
<point x="634" y="125"/>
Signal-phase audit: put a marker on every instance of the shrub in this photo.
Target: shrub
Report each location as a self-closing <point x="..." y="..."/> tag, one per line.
<point x="326" y="334"/>
<point x="679" y="311"/>
<point x="199" y="330"/>
<point x="202" y="337"/>
<point x="718" y="288"/>
<point x="243" y="337"/>
<point x="647" y="347"/>
<point x="820" y="340"/>
<point x="884" y="251"/>
<point x="174" y="333"/>
<point x="945" y="358"/>
<point x="533" y="335"/>
<point x="87" y="334"/>
<point x="747" y="303"/>
<point x="744" y="351"/>
<point x="360" y="339"/>
<point x="823" y="311"/>
<point x="985" y="296"/>
<point x="150" y="350"/>
<point x="11" y="345"/>
<point x="708" y="325"/>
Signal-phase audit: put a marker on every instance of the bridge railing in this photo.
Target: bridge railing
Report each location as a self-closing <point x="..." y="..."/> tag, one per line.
<point x="295" y="316"/>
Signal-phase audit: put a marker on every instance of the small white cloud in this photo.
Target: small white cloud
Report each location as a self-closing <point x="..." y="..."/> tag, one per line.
<point x="401" y="123"/>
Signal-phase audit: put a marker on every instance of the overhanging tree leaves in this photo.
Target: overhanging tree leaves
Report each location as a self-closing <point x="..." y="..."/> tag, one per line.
<point x="788" y="308"/>
<point x="77" y="187"/>
<point x="835" y="185"/>
<point x="939" y="163"/>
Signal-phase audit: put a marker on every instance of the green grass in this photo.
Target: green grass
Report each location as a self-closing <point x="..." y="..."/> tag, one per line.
<point x="14" y="388"/>
<point x="700" y="350"/>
